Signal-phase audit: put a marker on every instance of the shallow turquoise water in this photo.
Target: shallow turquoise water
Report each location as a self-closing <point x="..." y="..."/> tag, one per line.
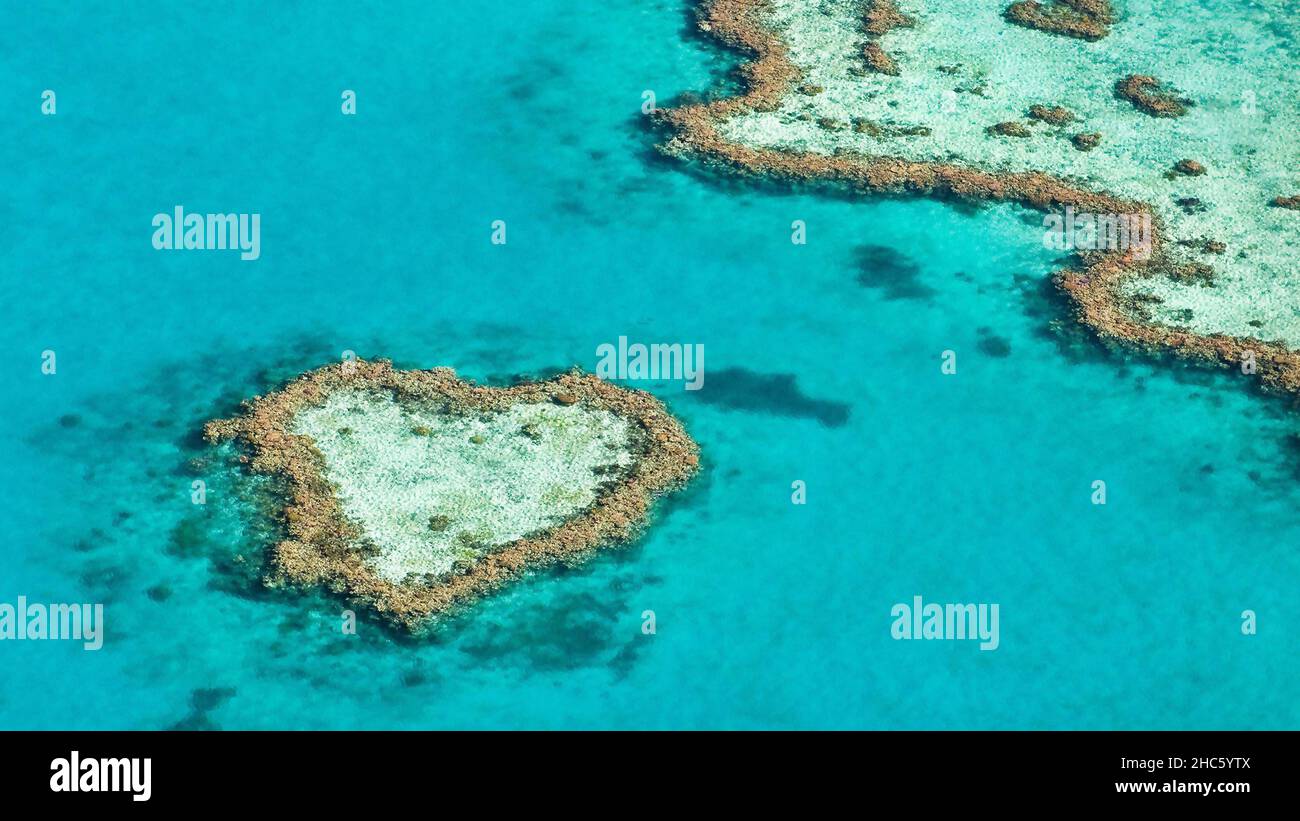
<point x="974" y="487"/>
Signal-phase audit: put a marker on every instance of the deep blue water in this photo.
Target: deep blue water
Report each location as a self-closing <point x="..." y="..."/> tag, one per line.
<point x="822" y="365"/>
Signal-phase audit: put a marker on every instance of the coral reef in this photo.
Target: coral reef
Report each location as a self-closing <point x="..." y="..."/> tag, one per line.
<point x="862" y="125"/>
<point x="1205" y="245"/>
<point x="882" y="16"/>
<point x="1288" y="202"/>
<point x="1189" y="168"/>
<point x="323" y="545"/>
<point x="1083" y="19"/>
<point x="1095" y="287"/>
<point x="1148" y="95"/>
<point x="878" y="61"/>
<point x="1086" y="142"/>
<point x="1054" y="115"/>
<point x="1193" y="273"/>
<point x="1010" y="129"/>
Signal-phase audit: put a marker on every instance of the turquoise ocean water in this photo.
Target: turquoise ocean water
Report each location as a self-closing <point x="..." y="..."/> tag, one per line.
<point x="822" y="365"/>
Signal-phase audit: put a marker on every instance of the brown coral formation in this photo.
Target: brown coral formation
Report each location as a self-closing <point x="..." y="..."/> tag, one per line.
<point x="1010" y="128"/>
<point x="1082" y="19"/>
<point x="1054" y="115"/>
<point x="1205" y="245"/>
<point x="1149" y="96"/>
<point x="862" y="125"/>
<point x="1189" y="168"/>
<point x="879" y="18"/>
<point x="1086" y="142"/>
<point x="1287" y="202"/>
<point x="882" y="16"/>
<point x="1094" y="288"/>
<point x="322" y="547"/>
<point x="878" y="61"/>
<point x="1191" y="273"/>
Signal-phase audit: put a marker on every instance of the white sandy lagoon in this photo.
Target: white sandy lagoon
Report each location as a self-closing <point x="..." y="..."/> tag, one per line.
<point x="1229" y="56"/>
<point x="429" y="488"/>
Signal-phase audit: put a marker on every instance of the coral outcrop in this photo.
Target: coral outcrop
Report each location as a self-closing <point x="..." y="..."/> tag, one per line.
<point x="879" y="18"/>
<point x="324" y="546"/>
<point x="1082" y="19"/>
<point x="1010" y="129"/>
<point x="878" y="61"/>
<point x="1054" y="115"/>
<point x="1086" y="141"/>
<point x="1149" y="96"/>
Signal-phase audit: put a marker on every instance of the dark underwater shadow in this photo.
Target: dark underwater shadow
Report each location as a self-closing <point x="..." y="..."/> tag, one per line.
<point x="777" y="394"/>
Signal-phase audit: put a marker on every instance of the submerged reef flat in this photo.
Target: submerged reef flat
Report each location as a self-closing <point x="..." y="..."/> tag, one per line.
<point x="415" y="491"/>
<point x="984" y="109"/>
